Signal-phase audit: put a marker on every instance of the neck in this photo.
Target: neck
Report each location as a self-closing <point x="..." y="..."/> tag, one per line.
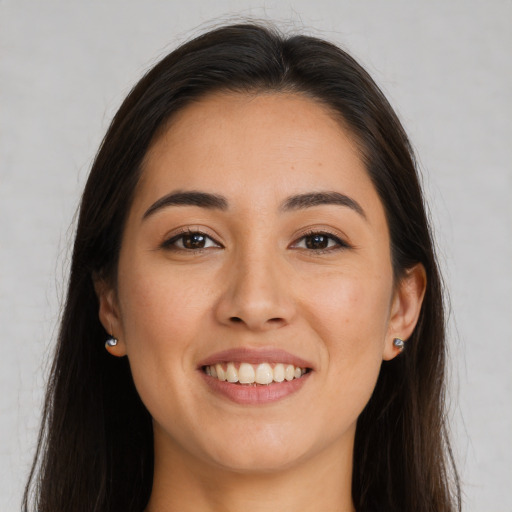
<point x="190" y="485"/>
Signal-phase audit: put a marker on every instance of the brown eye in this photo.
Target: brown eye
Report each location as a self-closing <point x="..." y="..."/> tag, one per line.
<point x="317" y="241"/>
<point x="320" y="242"/>
<point x="190" y="241"/>
<point x="194" y="241"/>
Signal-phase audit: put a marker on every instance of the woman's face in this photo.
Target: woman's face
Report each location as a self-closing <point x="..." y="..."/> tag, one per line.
<point x="256" y="245"/>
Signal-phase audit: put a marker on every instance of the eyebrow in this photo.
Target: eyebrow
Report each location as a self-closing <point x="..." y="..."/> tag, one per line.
<point x="311" y="199"/>
<point x="218" y="202"/>
<point x="190" y="198"/>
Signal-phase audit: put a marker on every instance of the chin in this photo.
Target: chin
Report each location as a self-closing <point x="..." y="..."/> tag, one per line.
<point x="258" y="462"/>
<point x="251" y="453"/>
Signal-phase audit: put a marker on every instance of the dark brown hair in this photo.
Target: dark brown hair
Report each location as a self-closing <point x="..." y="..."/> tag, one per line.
<point x="95" y="450"/>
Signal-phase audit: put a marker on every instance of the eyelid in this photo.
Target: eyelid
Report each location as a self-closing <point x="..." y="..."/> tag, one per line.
<point x="332" y="234"/>
<point x="339" y="238"/>
<point x="169" y="240"/>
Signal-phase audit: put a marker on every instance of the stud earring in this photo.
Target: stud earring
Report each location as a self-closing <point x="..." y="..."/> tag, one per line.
<point x="399" y="343"/>
<point x="111" y="342"/>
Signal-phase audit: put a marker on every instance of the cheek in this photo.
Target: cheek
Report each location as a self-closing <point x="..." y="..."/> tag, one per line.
<point x="350" y="314"/>
<point x="161" y="300"/>
<point x="163" y="313"/>
<point x="351" y="308"/>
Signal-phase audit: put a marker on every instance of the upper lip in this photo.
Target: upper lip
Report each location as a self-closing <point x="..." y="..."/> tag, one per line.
<point x="255" y="356"/>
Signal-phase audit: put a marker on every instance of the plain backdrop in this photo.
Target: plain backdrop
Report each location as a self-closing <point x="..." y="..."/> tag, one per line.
<point x="446" y="68"/>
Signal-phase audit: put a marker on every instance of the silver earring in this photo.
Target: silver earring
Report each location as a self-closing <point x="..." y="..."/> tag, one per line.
<point x="111" y="342"/>
<point x="399" y="343"/>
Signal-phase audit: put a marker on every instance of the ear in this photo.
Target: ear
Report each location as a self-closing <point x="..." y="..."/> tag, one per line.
<point x="109" y="315"/>
<point x="405" y="308"/>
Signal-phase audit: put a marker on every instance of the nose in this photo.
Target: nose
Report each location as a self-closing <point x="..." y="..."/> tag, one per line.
<point x="257" y="295"/>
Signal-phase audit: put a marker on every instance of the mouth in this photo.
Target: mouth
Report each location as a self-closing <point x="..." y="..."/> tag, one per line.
<point x="255" y="376"/>
<point x="245" y="373"/>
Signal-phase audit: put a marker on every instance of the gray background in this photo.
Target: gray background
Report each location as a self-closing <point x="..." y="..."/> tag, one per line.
<point x="445" y="66"/>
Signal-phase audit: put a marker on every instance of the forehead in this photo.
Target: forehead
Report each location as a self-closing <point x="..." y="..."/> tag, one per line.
<point x="255" y="148"/>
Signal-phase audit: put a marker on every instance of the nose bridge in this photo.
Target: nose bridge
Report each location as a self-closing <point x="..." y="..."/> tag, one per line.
<point x="255" y="293"/>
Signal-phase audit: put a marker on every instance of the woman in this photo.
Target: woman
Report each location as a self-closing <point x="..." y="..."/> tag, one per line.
<point x="253" y="248"/>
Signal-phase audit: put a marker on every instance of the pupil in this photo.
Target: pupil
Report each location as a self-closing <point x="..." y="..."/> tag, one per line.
<point x="193" y="241"/>
<point x="317" y="242"/>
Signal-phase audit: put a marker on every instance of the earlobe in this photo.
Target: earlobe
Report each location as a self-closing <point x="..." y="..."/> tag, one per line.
<point x="110" y="317"/>
<point x="405" y="310"/>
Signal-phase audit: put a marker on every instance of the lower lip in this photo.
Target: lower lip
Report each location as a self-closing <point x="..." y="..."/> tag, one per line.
<point x="254" y="394"/>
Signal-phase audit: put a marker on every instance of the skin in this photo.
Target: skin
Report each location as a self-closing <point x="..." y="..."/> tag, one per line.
<point x="256" y="284"/>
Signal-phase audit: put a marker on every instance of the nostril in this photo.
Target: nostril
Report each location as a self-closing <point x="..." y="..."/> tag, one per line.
<point x="276" y="321"/>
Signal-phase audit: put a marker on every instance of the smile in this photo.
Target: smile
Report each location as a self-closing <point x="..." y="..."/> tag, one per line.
<point x="255" y="376"/>
<point x="246" y="373"/>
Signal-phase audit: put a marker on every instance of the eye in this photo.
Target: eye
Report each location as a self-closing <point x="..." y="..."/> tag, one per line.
<point x="320" y="242"/>
<point x="190" y="241"/>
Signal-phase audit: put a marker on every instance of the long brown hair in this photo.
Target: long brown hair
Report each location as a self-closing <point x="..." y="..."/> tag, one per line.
<point x="95" y="449"/>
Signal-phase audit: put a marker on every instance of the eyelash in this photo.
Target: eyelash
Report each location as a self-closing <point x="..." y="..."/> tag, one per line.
<point x="170" y="244"/>
<point x="340" y="244"/>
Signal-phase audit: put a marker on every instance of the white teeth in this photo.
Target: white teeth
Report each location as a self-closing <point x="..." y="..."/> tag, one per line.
<point x="289" y="372"/>
<point x="264" y="374"/>
<point x="221" y="374"/>
<point x="249" y="374"/>
<point x="231" y="373"/>
<point x="279" y="372"/>
<point x="246" y="374"/>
